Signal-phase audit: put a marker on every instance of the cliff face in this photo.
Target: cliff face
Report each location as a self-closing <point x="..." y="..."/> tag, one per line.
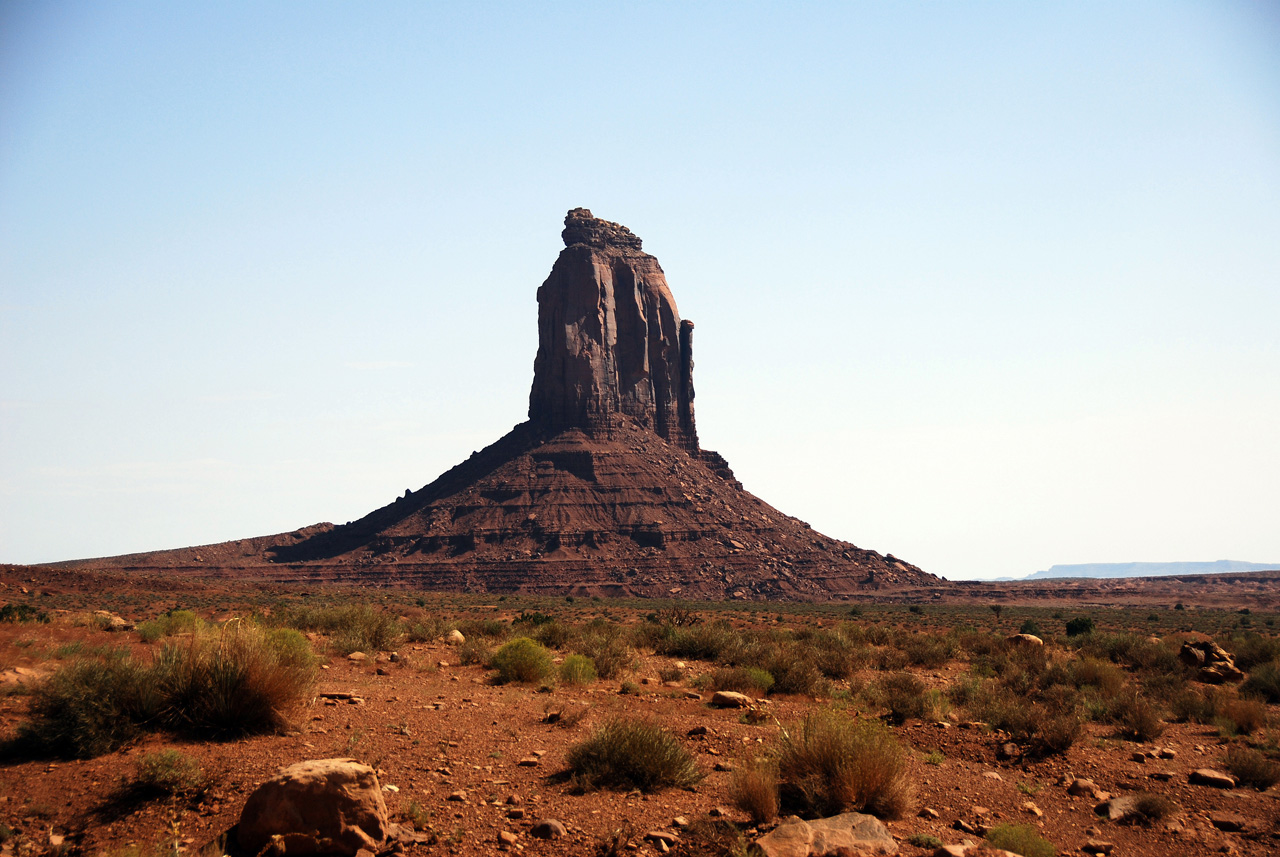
<point x="611" y="343"/>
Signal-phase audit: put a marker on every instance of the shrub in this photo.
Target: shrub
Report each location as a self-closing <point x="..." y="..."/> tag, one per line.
<point x="741" y="679"/>
<point x="1056" y="733"/>
<point x="577" y="669"/>
<point x="474" y="650"/>
<point x="1150" y="808"/>
<point x="1029" y="626"/>
<point x="168" y="624"/>
<point x="793" y="671"/>
<point x="351" y="627"/>
<point x="1242" y="717"/>
<point x="1196" y="705"/>
<point x="1251" y="650"/>
<point x="626" y="754"/>
<point x="522" y="660"/>
<point x="904" y="695"/>
<point x="1138" y="718"/>
<point x="1263" y="682"/>
<point x="754" y="789"/>
<point x="928" y="650"/>
<point x="168" y="772"/>
<point x="605" y="644"/>
<point x="924" y="840"/>
<point x="1021" y="839"/>
<point x="671" y="673"/>
<point x="829" y="763"/>
<point x="23" y="613"/>
<point x="701" y="642"/>
<point x="237" y="680"/>
<point x="87" y="708"/>
<point x="1251" y="767"/>
<point x="1079" y="626"/>
<point x="424" y="629"/>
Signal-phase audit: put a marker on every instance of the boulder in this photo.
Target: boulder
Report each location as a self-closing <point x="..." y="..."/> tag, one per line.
<point x="850" y="834"/>
<point x="1027" y="641"/>
<point x="455" y="638"/>
<point x="548" y="828"/>
<point x="109" y="621"/>
<point x="730" y="699"/>
<point x="1210" y="777"/>
<point x="1213" y="663"/>
<point x="324" y="806"/>
<point x="1119" y="809"/>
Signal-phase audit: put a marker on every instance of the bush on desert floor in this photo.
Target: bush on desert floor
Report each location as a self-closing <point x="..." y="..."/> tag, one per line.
<point x="830" y="763"/>
<point x="168" y="772"/>
<point x="351" y="627"/>
<point x="1055" y="733"/>
<point x="626" y="754"/>
<point x="577" y="670"/>
<point x="1242" y="717"/>
<point x="1196" y="705"/>
<point x="1252" y="767"/>
<point x="754" y="789"/>
<point x="1263" y="682"/>
<point x="1137" y="717"/>
<point x="522" y="660"/>
<point x="168" y="624"/>
<point x="756" y="682"/>
<point x="1151" y="808"/>
<point x="239" y="679"/>
<point x="607" y="646"/>
<point x="87" y="708"/>
<point x="1021" y="839"/>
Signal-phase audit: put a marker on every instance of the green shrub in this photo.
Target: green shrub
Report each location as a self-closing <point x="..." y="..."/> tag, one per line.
<point x="23" y="613"/>
<point x="1242" y="717"/>
<point x="924" y="840"/>
<point x="1250" y="650"/>
<point x="830" y="763"/>
<point x="577" y="670"/>
<point x="607" y="647"/>
<point x="1077" y="627"/>
<point x="522" y="660"/>
<point x="1251" y="767"/>
<point x="793" y="671"/>
<point x="750" y="680"/>
<point x="351" y="627"/>
<point x="1138" y="718"/>
<point x="1021" y="839"/>
<point x="1263" y="682"/>
<point x="237" y="680"/>
<point x="754" y="789"/>
<point x="627" y="754"/>
<point x="904" y="695"/>
<point x="87" y="708"/>
<point x="168" y="772"/>
<point x="168" y="624"/>
<point x="475" y="650"/>
<point x="1199" y="706"/>
<point x="1029" y="626"/>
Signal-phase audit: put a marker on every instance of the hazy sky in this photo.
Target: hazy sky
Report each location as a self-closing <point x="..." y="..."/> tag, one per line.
<point x="990" y="286"/>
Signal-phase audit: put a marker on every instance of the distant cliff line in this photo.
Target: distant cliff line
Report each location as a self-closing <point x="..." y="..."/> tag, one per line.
<point x="1150" y="569"/>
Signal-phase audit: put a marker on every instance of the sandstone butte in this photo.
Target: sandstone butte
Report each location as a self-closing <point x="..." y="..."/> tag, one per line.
<point x="604" y="490"/>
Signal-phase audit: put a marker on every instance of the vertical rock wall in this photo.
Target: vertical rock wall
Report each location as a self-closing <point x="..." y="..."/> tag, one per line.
<point x="611" y="344"/>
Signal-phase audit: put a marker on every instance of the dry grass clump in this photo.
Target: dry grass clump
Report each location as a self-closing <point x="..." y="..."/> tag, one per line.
<point x="522" y="660"/>
<point x="1263" y="682"/>
<point x="756" y="682"/>
<point x="1242" y="717"/>
<point x="168" y="772"/>
<point x="1251" y="767"/>
<point x="754" y="789"/>
<point x="1152" y="808"/>
<point x="235" y="680"/>
<point x="1137" y="717"/>
<point x="626" y="754"/>
<point x="351" y="627"/>
<point x="169" y="624"/>
<point x="830" y="763"/>
<point x="577" y="670"/>
<point x="1021" y="839"/>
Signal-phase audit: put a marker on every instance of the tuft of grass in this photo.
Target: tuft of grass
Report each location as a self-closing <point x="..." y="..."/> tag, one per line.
<point x="1138" y="718"/>
<point x="577" y="670"/>
<point x="752" y="680"/>
<point x="934" y="758"/>
<point x="169" y="772"/>
<point x="924" y="840"/>
<point x="830" y="763"/>
<point x="1021" y="839"/>
<point x="1251" y="767"/>
<point x="522" y="660"/>
<point x="1151" y="808"/>
<point x="754" y="789"/>
<point x="87" y="708"/>
<point x="1242" y="717"/>
<point x="1263" y="682"/>
<point x="1056" y="733"/>
<point x="627" y="754"/>
<point x="168" y="624"/>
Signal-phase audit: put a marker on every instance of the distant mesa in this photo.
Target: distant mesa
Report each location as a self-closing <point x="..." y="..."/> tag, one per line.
<point x="604" y="490"/>
<point x="1149" y="569"/>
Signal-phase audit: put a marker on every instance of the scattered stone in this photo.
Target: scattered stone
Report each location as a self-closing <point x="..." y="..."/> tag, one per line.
<point x="1167" y="753"/>
<point x="848" y="833"/>
<point x="926" y="812"/>
<point x="109" y="621"/>
<point x="1140" y="758"/>
<point x="455" y="638"/>
<point x="717" y="812"/>
<point x="697" y="730"/>
<point x="693" y="694"/>
<point x="336" y="804"/>
<point x="662" y="836"/>
<point x="1210" y="777"/>
<point x="1215" y="663"/>
<point x="680" y="822"/>
<point x="964" y="827"/>
<point x="548" y="828"/>
<point x="1097" y="846"/>
<point x="357" y="657"/>
<point x="1029" y="806"/>
<point x="1082" y="788"/>
<point x="993" y="775"/>
<point x="1006" y="751"/>
<point x="730" y="699"/>
<point x="515" y="812"/>
<point x="507" y="839"/>
<point x="1227" y="821"/>
<point x="459" y="796"/>
<point x="528" y="762"/>
<point x="722" y="767"/>
<point x="1119" y="809"/>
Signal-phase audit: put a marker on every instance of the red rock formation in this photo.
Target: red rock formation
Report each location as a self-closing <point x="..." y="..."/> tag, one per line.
<point x="611" y="344"/>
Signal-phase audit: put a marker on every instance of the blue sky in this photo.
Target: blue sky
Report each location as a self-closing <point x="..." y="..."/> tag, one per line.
<point x="990" y="286"/>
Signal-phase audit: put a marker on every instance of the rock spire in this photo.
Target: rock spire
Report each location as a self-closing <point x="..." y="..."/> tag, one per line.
<point x="611" y="343"/>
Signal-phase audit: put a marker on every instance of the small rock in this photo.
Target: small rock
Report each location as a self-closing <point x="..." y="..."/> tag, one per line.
<point x="964" y="827"/>
<point x="722" y="766"/>
<point x="357" y="657"/>
<point x="1028" y="806"/>
<point x="458" y="796"/>
<point x="528" y="762"/>
<point x="1121" y="809"/>
<point x="1228" y="821"/>
<point x="848" y="833"/>
<point x="1097" y="846"/>
<point x="680" y="822"/>
<point x="548" y="828"/>
<point x="717" y="812"/>
<point x="1167" y="753"/>
<point x="1008" y="750"/>
<point x="455" y="638"/>
<point x="515" y="812"/>
<point x="506" y="839"/>
<point x="1140" y="758"/>
<point x="993" y="775"/>
<point x="926" y="812"/>
<point x="730" y="699"/>
<point x="697" y="730"/>
<point x="662" y="836"/>
<point x="1081" y="788"/>
<point x="1030" y="641"/>
<point x="1210" y="777"/>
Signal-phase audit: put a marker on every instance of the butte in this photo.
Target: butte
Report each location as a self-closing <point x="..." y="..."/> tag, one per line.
<point x="604" y="490"/>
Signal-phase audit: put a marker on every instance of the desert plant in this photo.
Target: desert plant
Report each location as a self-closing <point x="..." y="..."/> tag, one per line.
<point x="1056" y="733"/>
<point x="239" y="679"/>
<point x="577" y="670"/>
<point x="741" y="679"/>
<point x="754" y="789"/>
<point x="1079" y="626"/>
<point x="1150" y="808"/>
<point x="1263" y="682"/>
<point x="167" y="625"/>
<point x="904" y="695"/>
<point x="1029" y="626"/>
<point x="670" y="673"/>
<point x="87" y="708"/>
<point x="474" y="650"/>
<point x="1137" y="718"/>
<point x="830" y="763"/>
<point x="522" y="660"/>
<point x="23" y="613"/>
<point x="631" y="754"/>
<point x="1251" y="767"/>
<point x="1021" y="839"/>
<point x="168" y="772"/>
<point x="1199" y="706"/>
<point x="1242" y="717"/>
